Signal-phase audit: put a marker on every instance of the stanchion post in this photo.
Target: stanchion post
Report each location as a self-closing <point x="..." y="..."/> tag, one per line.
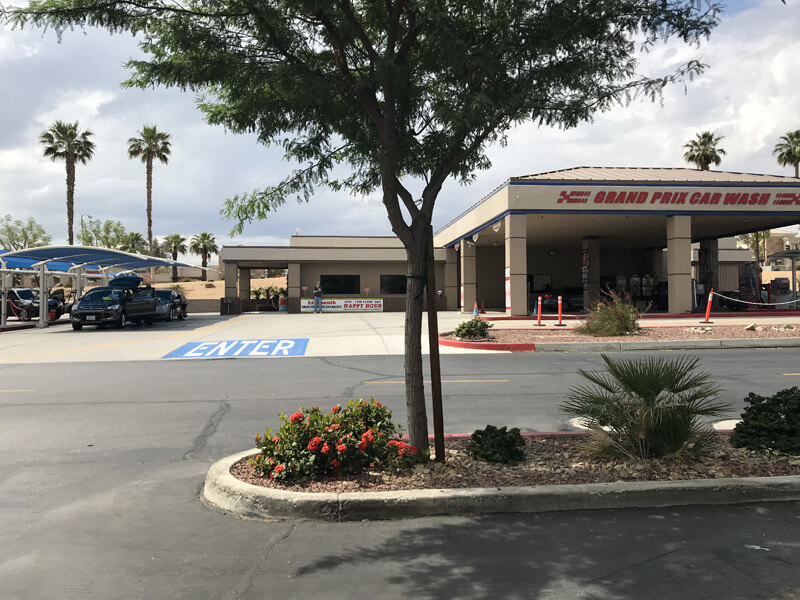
<point x="539" y="313"/>
<point x="708" y="307"/>
<point x="560" y="323"/>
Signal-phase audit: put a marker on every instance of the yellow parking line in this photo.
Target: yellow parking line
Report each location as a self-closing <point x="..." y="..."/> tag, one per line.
<point x="13" y="391"/>
<point x="163" y="337"/>
<point x="792" y="374"/>
<point x="451" y="381"/>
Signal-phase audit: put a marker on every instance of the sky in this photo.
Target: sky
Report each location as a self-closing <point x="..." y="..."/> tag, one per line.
<point x="750" y="94"/>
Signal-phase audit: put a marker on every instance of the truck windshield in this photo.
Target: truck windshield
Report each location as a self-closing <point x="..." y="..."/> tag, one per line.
<point x="107" y="296"/>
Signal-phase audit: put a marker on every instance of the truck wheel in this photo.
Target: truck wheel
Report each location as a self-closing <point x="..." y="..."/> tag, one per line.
<point x="77" y="326"/>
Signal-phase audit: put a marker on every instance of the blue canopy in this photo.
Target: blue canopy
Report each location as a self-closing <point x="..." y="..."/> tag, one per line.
<point x="63" y="258"/>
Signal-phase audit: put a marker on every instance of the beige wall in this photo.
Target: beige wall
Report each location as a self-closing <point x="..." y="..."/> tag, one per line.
<point x="490" y="270"/>
<point x="370" y="274"/>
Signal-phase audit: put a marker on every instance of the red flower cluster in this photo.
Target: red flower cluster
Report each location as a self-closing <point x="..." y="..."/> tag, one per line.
<point x="336" y="409"/>
<point x="297" y="417"/>
<point x="275" y="440"/>
<point x="341" y="448"/>
<point x="315" y="443"/>
<point x="366" y="439"/>
<point x="335" y="426"/>
<point x="335" y="464"/>
<point x="325" y="448"/>
<point x="403" y="448"/>
<point x="277" y="469"/>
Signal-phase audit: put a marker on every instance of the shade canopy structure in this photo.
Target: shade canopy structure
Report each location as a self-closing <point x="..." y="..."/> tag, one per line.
<point x="56" y="257"/>
<point x="74" y="261"/>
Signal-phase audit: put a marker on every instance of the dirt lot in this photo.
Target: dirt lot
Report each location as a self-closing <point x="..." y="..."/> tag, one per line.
<point x="211" y="290"/>
<point x="661" y="333"/>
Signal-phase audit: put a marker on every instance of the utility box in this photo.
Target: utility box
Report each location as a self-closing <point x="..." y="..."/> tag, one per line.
<point x="230" y="306"/>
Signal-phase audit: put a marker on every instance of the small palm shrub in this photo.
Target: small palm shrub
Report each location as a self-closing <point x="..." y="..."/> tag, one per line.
<point x="497" y="445"/>
<point x="346" y="441"/>
<point x="473" y="329"/>
<point x="612" y="316"/>
<point x="177" y="287"/>
<point x="770" y="423"/>
<point x="647" y="408"/>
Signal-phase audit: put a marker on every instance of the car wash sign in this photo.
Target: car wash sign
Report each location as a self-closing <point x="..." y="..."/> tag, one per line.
<point x="705" y="198"/>
<point x="344" y="305"/>
<point x="259" y="348"/>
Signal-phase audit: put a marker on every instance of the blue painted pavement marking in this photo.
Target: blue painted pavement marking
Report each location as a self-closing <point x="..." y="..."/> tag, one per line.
<point x="266" y="348"/>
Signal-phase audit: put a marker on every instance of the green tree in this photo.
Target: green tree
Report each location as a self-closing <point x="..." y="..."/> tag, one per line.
<point x="133" y="242"/>
<point x="149" y="146"/>
<point x="788" y="151"/>
<point x="703" y="150"/>
<point x="757" y="242"/>
<point x="205" y="245"/>
<point x="103" y="233"/>
<point x="175" y="244"/>
<point x="18" y="235"/>
<point x="406" y="94"/>
<point x="63" y="141"/>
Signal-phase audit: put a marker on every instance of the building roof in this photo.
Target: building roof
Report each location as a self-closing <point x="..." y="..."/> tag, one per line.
<point x="638" y="174"/>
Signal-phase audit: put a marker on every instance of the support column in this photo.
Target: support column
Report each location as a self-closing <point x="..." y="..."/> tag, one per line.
<point x="451" y="279"/>
<point x="231" y="271"/>
<point x="590" y="271"/>
<point x="708" y="267"/>
<point x="468" y="276"/>
<point x="244" y="283"/>
<point x="516" y="275"/>
<point x="4" y="290"/>
<point x="44" y="297"/>
<point x="293" y="281"/>
<point x="679" y="263"/>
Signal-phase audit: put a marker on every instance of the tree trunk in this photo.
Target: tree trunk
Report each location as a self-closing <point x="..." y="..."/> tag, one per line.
<point x="797" y="170"/>
<point x="70" y="196"/>
<point x="415" y="391"/>
<point x="150" y="204"/>
<point x="174" y="268"/>
<point x="204" y="262"/>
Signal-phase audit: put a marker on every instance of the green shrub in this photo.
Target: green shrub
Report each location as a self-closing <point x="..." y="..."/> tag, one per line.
<point x="649" y="407"/>
<point x="613" y="316"/>
<point x="473" y="329"/>
<point x="497" y="445"/>
<point x="177" y="287"/>
<point x="770" y="423"/>
<point x="346" y="441"/>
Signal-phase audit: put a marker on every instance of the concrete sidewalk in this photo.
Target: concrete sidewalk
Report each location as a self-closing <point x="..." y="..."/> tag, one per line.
<point x="337" y="334"/>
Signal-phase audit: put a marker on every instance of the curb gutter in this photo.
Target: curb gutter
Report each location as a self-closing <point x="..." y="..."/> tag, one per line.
<point x="223" y="491"/>
<point x="623" y="346"/>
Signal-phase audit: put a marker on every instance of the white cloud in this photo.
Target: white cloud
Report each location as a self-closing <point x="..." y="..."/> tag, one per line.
<point x="749" y="94"/>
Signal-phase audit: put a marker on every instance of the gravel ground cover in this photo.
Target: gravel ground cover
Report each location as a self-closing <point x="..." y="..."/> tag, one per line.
<point x="549" y="460"/>
<point x="660" y="333"/>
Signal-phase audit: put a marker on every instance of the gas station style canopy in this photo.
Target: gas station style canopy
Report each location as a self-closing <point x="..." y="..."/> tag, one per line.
<point x="72" y="261"/>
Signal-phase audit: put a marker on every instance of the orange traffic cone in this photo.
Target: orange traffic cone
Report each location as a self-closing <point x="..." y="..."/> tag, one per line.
<point x="483" y="310"/>
<point x="475" y="310"/>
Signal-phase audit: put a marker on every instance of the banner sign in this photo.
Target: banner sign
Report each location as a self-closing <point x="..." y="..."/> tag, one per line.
<point x="585" y="269"/>
<point x="344" y="305"/>
<point x="259" y="348"/>
<point x="643" y="199"/>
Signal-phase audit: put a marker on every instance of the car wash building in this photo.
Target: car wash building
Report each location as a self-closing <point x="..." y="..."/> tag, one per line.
<point x="582" y="229"/>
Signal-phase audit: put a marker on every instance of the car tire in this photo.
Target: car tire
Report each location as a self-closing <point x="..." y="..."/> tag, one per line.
<point x="169" y="315"/>
<point x="77" y="326"/>
<point x="24" y="316"/>
<point x="120" y="323"/>
<point x="181" y="314"/>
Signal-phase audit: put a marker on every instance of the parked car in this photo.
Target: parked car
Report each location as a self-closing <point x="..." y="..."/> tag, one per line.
<point x="571" y="300"/>
<point x="23" y="303"/>
<point x="170" y="305"/>
<point x="115" y="304"/>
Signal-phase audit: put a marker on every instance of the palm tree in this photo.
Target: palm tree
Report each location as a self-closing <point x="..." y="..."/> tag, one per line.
<point x="203" y="244"/>
<point x="63" y="141"/>
<point x="703" y="151"/>
<point x="176" y="244"/>
<point x="150" y="144"/>
<point x="788" y="151"/>
<point x="132" y="242"/>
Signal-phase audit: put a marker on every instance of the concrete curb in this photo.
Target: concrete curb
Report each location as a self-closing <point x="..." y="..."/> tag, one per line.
<point x="624" y="346"/>
<point x="223" y="491"/>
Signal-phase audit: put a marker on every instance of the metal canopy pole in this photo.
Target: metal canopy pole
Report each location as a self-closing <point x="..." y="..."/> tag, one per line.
<point x="4" y="289"/>
<point x="794" y="281"/>
<point x="44" y="304"/>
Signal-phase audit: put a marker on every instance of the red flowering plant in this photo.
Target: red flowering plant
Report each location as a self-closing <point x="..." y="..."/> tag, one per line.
<point x="345" y="441"/>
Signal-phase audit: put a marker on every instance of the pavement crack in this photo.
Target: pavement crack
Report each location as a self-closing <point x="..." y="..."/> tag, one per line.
<point x="330" y="363"/>
<point x="210" y="429"/>
<point x="383" y="341"/>
<point x="633" y="565"/>
<point x="246" y="581"/>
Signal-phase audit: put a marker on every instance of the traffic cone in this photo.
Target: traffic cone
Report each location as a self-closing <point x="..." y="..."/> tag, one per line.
<point x="483" y="310"/>
<point x="475" y="310"/>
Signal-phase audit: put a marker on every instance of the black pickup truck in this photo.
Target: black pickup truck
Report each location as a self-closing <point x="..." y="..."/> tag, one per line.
<point x="122" y="300"/>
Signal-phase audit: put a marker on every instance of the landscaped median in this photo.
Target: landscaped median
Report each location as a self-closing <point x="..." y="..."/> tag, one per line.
<point x="225" y="492"/>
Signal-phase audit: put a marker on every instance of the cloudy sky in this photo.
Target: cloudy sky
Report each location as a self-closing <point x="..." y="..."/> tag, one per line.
<point x="750" y="94"/>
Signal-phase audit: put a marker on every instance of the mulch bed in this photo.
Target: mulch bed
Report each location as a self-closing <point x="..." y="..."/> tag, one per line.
<point x="550" y="460"/>
<point x="661" y="333"/>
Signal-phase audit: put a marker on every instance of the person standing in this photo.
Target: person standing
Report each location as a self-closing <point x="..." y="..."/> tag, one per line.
<point x="317" y="298"/>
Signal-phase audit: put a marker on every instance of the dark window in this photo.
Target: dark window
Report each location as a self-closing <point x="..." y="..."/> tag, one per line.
<point x="393" y="284"/>
<point x="143" y="295"/>
<point x="340" y="284"/>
